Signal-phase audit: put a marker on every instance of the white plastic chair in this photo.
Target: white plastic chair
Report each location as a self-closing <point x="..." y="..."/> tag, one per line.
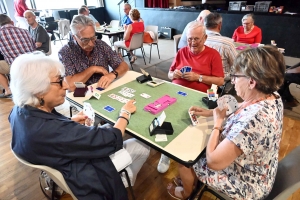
<point x="50" y="48"/>
<point x="136" y="42"/>
<point x="54" y="174"/>
<point x="114" y="23"/>
<point x="154" y="29"/>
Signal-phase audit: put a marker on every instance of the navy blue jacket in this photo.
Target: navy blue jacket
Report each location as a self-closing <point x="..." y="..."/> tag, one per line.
<point x="80" y="153"/>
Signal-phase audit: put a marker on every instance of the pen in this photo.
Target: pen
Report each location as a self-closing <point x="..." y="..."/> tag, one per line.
<point x="92" y="89"/>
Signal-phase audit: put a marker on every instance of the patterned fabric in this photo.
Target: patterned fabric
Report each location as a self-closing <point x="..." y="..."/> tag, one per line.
<point x="224" y="46"/>
<point x="75" y="60"/>
<point x="14" y="42"/>
<point x="255" y="36"/>
<point x="256" y="130"/>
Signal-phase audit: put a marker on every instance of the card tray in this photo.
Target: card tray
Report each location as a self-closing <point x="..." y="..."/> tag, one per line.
<point x="80" y="92"/>
<point x="160" y="104"/>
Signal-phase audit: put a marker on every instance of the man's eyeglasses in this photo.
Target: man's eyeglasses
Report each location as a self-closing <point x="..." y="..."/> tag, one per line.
<point x="196" y="39"/>
<point x="234" y="76"/>
<point x="61" y="80"/>
<point x="85" y="41"/>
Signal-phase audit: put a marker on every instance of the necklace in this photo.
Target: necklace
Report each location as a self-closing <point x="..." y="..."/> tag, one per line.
<point x="244" y="105"/>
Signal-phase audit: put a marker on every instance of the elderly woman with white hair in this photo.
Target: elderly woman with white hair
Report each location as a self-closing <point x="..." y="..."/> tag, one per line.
<point x="248" y="33"/>
<point x="42" y="136"/>
<point x="241" y="157"/>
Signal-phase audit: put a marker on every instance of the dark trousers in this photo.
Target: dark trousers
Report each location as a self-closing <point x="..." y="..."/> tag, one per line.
<point x="284" y="90"/>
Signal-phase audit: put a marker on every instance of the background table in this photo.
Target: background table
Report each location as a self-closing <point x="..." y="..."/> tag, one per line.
<point x="185" y="145"/>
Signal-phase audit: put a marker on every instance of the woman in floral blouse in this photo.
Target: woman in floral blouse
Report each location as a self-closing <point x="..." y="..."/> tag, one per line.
<point x="242" y="152"/>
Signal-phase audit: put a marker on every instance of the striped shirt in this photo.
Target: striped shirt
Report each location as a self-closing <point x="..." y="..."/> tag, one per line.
<point x="224" y="46"/>
<point x="14" y="42"/>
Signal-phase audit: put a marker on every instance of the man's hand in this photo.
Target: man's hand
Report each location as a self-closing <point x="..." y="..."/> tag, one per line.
<point x="177" y="74"/>
<point x="105" y="80"/>
<point x="38" y="44"/>
<point x="190" y="76"/>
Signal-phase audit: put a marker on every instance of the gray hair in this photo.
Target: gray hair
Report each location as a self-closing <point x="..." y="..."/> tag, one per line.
<point x="265" y="65"/>
<point x="212" y="20"/>
<point x="30" y="76"/>
<point x="80" y="22"/>
<point x="4" y="19"/>
<point x="28" y="11"/>
<point x="195" y="24"/>
<point x="248" y="16"/>
<point x="127" y="5"/>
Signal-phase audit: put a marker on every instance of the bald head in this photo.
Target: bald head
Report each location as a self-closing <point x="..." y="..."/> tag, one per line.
<point x="202" y="15"/>
<point x="30" y="17"/>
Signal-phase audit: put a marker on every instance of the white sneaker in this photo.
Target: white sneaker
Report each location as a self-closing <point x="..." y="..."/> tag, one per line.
<point x="164" y="164"/>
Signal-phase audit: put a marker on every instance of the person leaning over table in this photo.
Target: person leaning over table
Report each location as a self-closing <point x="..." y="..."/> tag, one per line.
<point x="242" y="152"/>
<point x="248" y="33"/>
<point x="135" y="27"/>
<point x="87" y="59"/>
<point x="43" y="136"/>
<point x="206" y="66"/>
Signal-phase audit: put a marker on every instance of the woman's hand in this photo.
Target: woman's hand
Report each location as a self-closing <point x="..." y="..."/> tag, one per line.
<point x="129" y="106"/>
<point x="201" y="111"/>
<point x="219" y="116"/>
<point x="79" y="117"/>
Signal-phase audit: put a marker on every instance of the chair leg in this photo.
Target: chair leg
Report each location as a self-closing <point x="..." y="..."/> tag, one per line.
<point x="143" y="53"/>
<point x="70" y="111"/>
<point x="150" y="52"/>
<point x="128" y="182"/>
<point x="53" y="190"/>
<point x="157" y="51"/>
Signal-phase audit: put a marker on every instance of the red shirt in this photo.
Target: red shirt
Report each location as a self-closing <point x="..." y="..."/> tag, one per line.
<point x="137" y="27"/>
<point x="207" y="63"/>
<point x="20" y="7"/>
<point x="253" y="37"/>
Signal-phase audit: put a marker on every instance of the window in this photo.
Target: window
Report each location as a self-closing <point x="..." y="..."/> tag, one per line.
<point x="96" y="3"/>
<point x="58" y="4"/>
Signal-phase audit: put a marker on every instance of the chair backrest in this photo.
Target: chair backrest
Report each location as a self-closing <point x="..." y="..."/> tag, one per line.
<point x="54" y="174"/>
<point x="137" y="41"/>
<point x="114" y="23"/>
<point x="50" y="49"/>
<point x="154" y="29"/>
<point x="287" y="179"/>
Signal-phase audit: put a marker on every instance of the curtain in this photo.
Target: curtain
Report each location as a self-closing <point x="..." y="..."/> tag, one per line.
<point x="2" y="7"/>
<point x="157" y="3"/>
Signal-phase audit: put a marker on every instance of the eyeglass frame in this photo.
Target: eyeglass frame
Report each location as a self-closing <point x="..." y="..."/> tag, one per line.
<point x="234" y="76"/>
<point x="93" y="39"/>
<point x="61" y="80"/>
<point x="196" y="39"/>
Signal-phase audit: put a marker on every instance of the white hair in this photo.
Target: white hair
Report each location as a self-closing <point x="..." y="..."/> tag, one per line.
<point x="80" y="22"/>
<point x="30" y="76"/>
<point x="196" y="24"/>
<point x="250" y="16"/>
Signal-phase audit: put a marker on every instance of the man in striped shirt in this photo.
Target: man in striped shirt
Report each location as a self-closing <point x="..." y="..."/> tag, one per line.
<point x="13" y="42"/>
<point x="224" y="45"/>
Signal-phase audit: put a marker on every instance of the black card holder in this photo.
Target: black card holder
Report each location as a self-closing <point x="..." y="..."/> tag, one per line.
<point x="80" y="92"/>
<point x="209" y="103"/>
<point x="165" y="128"/>
<point x="143" y="78"/>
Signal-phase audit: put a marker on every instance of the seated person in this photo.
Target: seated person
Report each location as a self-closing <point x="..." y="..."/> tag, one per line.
<point x="292" y="75"/>
<point x="206" y="67"/>
<point x="135" y="27"/>
<point x="14" y="38"/>
<point x="248" y="33"/>
<point x="43" y="136"/>
<point x="241" y="157"/>
<point x="126" y="19"/>
<point x="87" y="13"/>
<point x="37" y="32"/>
<point x="183" y="42"/>
<point x="87" y="59"/>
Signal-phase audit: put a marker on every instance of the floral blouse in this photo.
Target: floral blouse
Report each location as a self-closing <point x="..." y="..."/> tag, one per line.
<point x="256" y="130"/>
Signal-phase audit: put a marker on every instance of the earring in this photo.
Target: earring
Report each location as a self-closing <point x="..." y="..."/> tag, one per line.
<point x="42" y="102"/>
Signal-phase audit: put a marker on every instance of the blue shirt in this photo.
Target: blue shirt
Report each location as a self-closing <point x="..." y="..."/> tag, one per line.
<point x="126" y="20"/>
<point x="79" y="152"/>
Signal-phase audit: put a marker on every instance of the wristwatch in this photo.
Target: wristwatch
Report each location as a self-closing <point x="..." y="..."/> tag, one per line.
<point x="200" y="78"/>
<point x="115" y="73"/>
<point x="126" y="112"/>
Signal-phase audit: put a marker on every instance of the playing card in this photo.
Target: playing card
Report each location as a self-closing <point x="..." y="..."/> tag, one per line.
<point x="182" y="93"/>
<point x="161" y="138"/>
<point x="188" y="69"/>
<point x="99" y="88"/>
<point x="146" y="96"/>
<point x="183" y="70"/>
<point x="90" y="113"/>
<point x="230" y="102"/>
<point x="108" y="108"/>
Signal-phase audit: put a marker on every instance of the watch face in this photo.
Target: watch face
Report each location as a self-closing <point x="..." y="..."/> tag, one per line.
<point x="200" y="78"/>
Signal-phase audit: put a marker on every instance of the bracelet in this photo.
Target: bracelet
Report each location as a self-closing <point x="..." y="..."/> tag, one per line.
<point x="124" y="118"/>
<point x="126" y="112"/>
<point x="218" y="128"/>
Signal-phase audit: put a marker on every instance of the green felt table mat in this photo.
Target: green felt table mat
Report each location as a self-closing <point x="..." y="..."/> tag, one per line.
<point x="176" y="113"/>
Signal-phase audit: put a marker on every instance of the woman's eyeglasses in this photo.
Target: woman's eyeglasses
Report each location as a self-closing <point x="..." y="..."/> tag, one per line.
<point x="61" y="80"/>
<point x="234" y="76"/>
<point x="85" y="41"/>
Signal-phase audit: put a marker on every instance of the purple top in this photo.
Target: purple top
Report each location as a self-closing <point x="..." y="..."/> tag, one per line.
<point x="75" y="60"/>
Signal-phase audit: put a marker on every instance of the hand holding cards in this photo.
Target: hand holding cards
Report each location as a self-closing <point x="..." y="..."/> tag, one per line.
<point x="186" y="69"/>
<point x="228" y="101"/>
<point x="90" y="113"/>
